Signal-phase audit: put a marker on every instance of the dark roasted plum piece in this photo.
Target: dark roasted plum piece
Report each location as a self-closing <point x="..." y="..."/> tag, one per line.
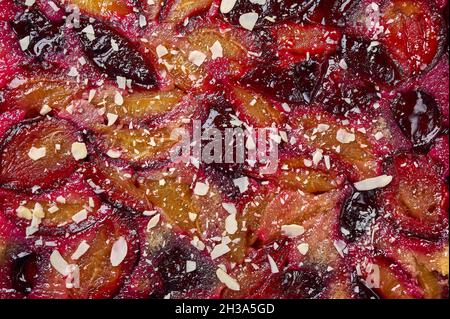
<point x="418" y="116"/>
<point x="414" y="34"/>
<point x="369" y="59"/>
<point x="170" y="266"/>
<point x="38" y="153"/>
<point x="15" y="272"/>
<point x="37" y="34"/>
<point x="269" y="12"/>
<point x="70" y="209"/>
<point x="341" y="91"/>
<point x="307" y="282"/>
<point x="357" y="215"/>
<point x="115" y="55"/>
<point x="294" y="84"/>
<point x="91" y="265"/>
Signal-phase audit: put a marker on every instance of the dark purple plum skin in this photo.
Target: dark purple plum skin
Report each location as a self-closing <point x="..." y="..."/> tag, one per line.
<point x="295" y="84"/>
<point x="418" y="116"/>
<point x="357" y="214"/>
<point x="127" y="61"/>
<point x="45" y="36"/>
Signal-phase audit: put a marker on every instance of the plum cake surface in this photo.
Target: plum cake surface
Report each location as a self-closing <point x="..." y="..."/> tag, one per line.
<point x="355" y="93"/>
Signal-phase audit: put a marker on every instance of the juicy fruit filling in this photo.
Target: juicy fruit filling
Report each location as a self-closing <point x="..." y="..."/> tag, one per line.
<point x="93" y="203"/>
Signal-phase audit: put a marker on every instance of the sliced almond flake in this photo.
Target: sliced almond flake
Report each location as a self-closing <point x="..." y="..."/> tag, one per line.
<point x="112" y="118"/>
<point x="248" y="20"/>
<point x="80" y="216"/>
<point x="25" y="213"/>
<point x="45" y="110"/>
<point x="37" y="153"/>
<point x="219" y="250"/>
<point x="191" y="266"/>
<point x="201" y="189"/>
<point x="373" y="183"/>
<point x="118" y="99"/>
<point x="227" y="5"/>
<point x="303" y="248"/>
<point x="197" y="58"/>
<point x="273" y="266"/>
<point x="114" y="154"/>
<point x="373" y="278"/>
<point x="161" y="51"/>
<point x="83" y="247"/>
<point x="73" y="277"/>
<point x="58" y="263"/>
<point x="25" y="43"/>
<point x="121" y="82"/>
<point x="242" y="183"/>
<point x="230" y="208"/>
<point x="119" y="251"/>
<point x="153" y="222"/>
<point x="29" y="3"/>
<point x="216" y="50"/>
<point x="79" y="151"/>
<point x="38" y="211"/>
<point x="292" y="231"/>
<point x="341" y="247"/>
<point x="226" y="279"/>
<point x="345" y="137"/>
<point x="231" y="225"/>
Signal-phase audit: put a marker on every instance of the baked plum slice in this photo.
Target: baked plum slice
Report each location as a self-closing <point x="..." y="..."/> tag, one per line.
<point x="70" y="209"/>
<point x="341" y="92"/>
<point x="418" y="116"/>
<point x="358" y="214"/>
<point x="306" y="282"/>
<point x="369" y="59"/>
<point x="256" y="108"/>
<point x="176" y="11"/>
<point x="38" y="153"/>
<point x="269" y="12"/>
<point x="205" y="49"/>
<point x="115" y="55"/>
<point x="344" y="144"/>
<point x="139" y="106"/>
<point x="170" y="266"/>
<point x="91" y="265"/>
<point x="102" y="8"/>
<point x="118" y="184"/>
<point x="269" y="211"/>
<point x="41" y="94"/>
<point x="414" y="34"/>
<point x="307" y="40"/>
<point x="296" y="173"/>
<point x="292" y="84"/>
<point x="15" y="259"/>
<point x="39" y="35"/>
<point x="417" y="199"/>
